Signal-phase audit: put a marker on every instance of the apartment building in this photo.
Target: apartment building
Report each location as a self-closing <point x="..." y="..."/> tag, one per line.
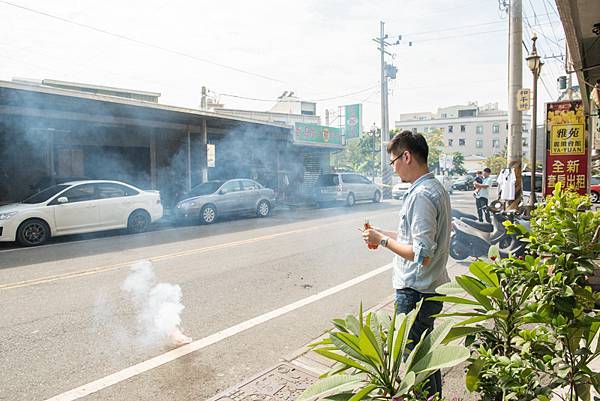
<point x="469" y="129"/>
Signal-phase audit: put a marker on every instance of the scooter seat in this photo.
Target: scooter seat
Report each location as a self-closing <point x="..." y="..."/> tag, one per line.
<point x="485" y="227"/>
<point x="458" y="214"/>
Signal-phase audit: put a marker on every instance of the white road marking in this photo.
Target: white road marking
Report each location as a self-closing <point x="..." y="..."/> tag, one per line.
<point x="159" y="360"/>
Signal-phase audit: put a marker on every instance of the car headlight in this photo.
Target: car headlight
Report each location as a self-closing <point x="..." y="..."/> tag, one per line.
<point x="186" y="205"/>
<point x="7" y="215"/>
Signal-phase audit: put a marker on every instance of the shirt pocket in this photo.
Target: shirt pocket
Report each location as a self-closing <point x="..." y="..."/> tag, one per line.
<point x="404" y="229"/>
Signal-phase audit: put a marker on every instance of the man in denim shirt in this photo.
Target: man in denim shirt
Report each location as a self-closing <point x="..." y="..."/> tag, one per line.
<point x="422" y="241"/>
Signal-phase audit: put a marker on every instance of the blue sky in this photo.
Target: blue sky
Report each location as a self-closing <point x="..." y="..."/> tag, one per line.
<point x="319" y="49"/>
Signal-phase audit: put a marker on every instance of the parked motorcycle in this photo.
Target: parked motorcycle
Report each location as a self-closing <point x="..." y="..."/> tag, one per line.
<point x="471" y="238"/>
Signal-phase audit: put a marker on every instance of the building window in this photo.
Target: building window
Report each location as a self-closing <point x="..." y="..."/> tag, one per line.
<point x="444" y="115"/>
<point x="450" y="142"/>
<point x="525" y="142"/>
<point x="414" y="130"/>
<point x="479" y="129"/>
<point x="479" y="143"/>
<point x="507" y="126"/>
<point x="495" y="143"/>
<point x="450" y="129"/>
<point x="496" y="128"/>
<point x="462" y="142"/>
<point x="463" y="128"/>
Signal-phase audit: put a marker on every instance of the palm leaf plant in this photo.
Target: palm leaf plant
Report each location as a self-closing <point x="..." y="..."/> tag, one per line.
<point x="375" y="359"/>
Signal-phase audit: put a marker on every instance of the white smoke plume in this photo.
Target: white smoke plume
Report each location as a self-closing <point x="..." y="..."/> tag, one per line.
<point x="158" y="306"/>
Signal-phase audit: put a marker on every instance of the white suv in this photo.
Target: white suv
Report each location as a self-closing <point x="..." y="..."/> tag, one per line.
<point x="345" y="187"/>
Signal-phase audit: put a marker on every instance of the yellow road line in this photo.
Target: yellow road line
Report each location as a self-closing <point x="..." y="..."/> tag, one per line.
<point x="102" y="269"/>
<point x="49" y="279"/>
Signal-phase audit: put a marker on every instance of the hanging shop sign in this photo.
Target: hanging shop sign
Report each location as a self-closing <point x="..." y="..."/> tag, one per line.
<point x="314" y="134"/>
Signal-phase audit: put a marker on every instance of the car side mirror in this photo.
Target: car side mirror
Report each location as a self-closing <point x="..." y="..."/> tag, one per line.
<point x="63" y="199"/>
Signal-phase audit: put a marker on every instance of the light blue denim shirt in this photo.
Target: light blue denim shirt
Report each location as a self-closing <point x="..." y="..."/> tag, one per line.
<point x="425" y="223"/>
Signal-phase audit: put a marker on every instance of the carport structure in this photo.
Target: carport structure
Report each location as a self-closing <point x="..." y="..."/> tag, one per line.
<point x="49" y="132"/>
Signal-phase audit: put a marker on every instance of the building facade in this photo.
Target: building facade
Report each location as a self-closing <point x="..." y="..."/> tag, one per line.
<point x="468" y="129"/>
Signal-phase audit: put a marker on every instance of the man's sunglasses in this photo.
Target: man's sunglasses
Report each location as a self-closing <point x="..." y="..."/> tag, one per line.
<point x="394" y="161"/>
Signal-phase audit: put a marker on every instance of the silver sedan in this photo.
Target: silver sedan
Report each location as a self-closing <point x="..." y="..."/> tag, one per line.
<point x="208" y="200"/>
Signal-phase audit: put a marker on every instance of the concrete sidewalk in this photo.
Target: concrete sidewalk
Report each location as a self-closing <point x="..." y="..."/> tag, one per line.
<point x="296" y="371"/>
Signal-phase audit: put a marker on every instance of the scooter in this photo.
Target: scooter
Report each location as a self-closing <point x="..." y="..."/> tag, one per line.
<point x="472" y="238"/>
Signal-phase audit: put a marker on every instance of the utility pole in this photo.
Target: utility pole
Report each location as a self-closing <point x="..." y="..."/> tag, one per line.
<point x="387" y="71"/>
<point x="515" y="83"/>
<point x="203" y="105"/>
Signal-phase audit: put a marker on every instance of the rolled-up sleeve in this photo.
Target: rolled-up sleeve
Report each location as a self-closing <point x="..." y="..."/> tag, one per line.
<point x="423" y="227"/>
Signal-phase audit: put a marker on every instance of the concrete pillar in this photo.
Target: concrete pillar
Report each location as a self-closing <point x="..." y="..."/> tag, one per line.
<point x="153" y="172"/>
<point x="203" y="143"/>
<point x="189" y="160"/>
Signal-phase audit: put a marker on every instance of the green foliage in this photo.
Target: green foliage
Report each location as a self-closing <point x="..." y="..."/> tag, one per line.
<point x="532" y="322"/>
<point x="458" y="164"/>
<point x="361" y="154"/>
<point x="374" y="360"/>
<point x="496" y="162"/>
<point x="435" y="141"/>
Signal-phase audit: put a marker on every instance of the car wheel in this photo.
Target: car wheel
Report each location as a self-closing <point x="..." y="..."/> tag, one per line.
<point x="208" y="214"/>
<point x="263" y="209"/>
<point x="138" y="222"/>
<point x="595" y="197"/>
<point x="33" y="232"/>
<point x="350" y="200"/>
<point x="377" y="197"/>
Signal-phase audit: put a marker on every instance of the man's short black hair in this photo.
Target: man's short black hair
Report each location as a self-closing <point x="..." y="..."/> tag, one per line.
<point x="487" y="170"/>
<point x="413" y="142"/>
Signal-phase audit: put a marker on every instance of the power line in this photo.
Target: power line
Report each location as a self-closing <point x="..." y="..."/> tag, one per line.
<point x="313" y="100"/>
<point x="140" y="42"/>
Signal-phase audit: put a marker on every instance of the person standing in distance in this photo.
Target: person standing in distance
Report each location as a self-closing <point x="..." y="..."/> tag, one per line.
<point x="483" y="195"/>
<point x="420" y="245"/>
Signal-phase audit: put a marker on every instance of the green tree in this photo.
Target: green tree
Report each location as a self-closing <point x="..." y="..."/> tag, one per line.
<point x="361" y="155"/>
<point x="435" y="140"/>
<point x="496" y="162"/>
<point x="458" y="164"/>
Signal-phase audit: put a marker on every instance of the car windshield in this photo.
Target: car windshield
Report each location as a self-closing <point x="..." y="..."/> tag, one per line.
<point x="328" y="180"/>
<point x="207" y="188"/>
<point x="45" y="194"/>
<point x="595" y="180"/>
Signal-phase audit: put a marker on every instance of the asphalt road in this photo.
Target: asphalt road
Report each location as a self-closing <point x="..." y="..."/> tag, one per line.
<point x="66" y="322"/>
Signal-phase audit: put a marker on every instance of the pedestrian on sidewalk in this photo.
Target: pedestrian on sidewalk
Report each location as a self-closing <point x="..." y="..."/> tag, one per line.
<point x="482" y="195"/>
<point x="421" y="243"/>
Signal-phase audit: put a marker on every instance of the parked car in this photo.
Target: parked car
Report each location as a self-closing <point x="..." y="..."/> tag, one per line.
<point x="209" y="200"/>
<point x="79" y="207"/>
<point x="345" y="187"/>
<point x="527" y="187"/>
<point x="400" y="189"/>
<point x="446" y="182"/>
<point x="464" y="183"/>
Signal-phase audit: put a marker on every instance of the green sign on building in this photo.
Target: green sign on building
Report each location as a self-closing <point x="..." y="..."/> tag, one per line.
<point x="317" y="134"/>
<point x="353" y="123"/>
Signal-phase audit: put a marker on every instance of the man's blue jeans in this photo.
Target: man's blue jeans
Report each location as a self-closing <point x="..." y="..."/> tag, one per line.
<point x="406" y="301"/>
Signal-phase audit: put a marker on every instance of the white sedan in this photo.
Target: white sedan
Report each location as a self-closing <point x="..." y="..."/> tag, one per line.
<point x="79" y="207"/>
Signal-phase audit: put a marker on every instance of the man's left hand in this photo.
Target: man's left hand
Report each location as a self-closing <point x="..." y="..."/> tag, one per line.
<point x="371" y="236"/>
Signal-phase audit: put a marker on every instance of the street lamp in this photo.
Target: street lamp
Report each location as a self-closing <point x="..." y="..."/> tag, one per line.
<point x="374" y="133"/>
<point x="535" y="64"/>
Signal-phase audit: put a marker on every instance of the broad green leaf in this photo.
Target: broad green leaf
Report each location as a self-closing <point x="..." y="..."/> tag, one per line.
<point x="459" y="332"/>
<point x="455" y="300"/>
<point x="342" y="359"/>
<point x="474" y="320"/>
<point x="443" y="357"/>
<point x="363" y="393"/>
<point x="474" y="289"/>
<point x="353" y="325"/>
<point x="398" y="350"/>
<point x="348" y="346"/>
<point x="329" y="384"/>
<point x="472" y="378"/>
<point x="434" y="338"/>
<point x="411" y="360"/>
<point x="484" y="272"/>
<point x="583" y="391"/>
<point x="339" y="397"/>
<point x="451" y="288"/>
<point x="406" y="384"/>
<point x="369" y="346"/>
<point x="494" y="292"/>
